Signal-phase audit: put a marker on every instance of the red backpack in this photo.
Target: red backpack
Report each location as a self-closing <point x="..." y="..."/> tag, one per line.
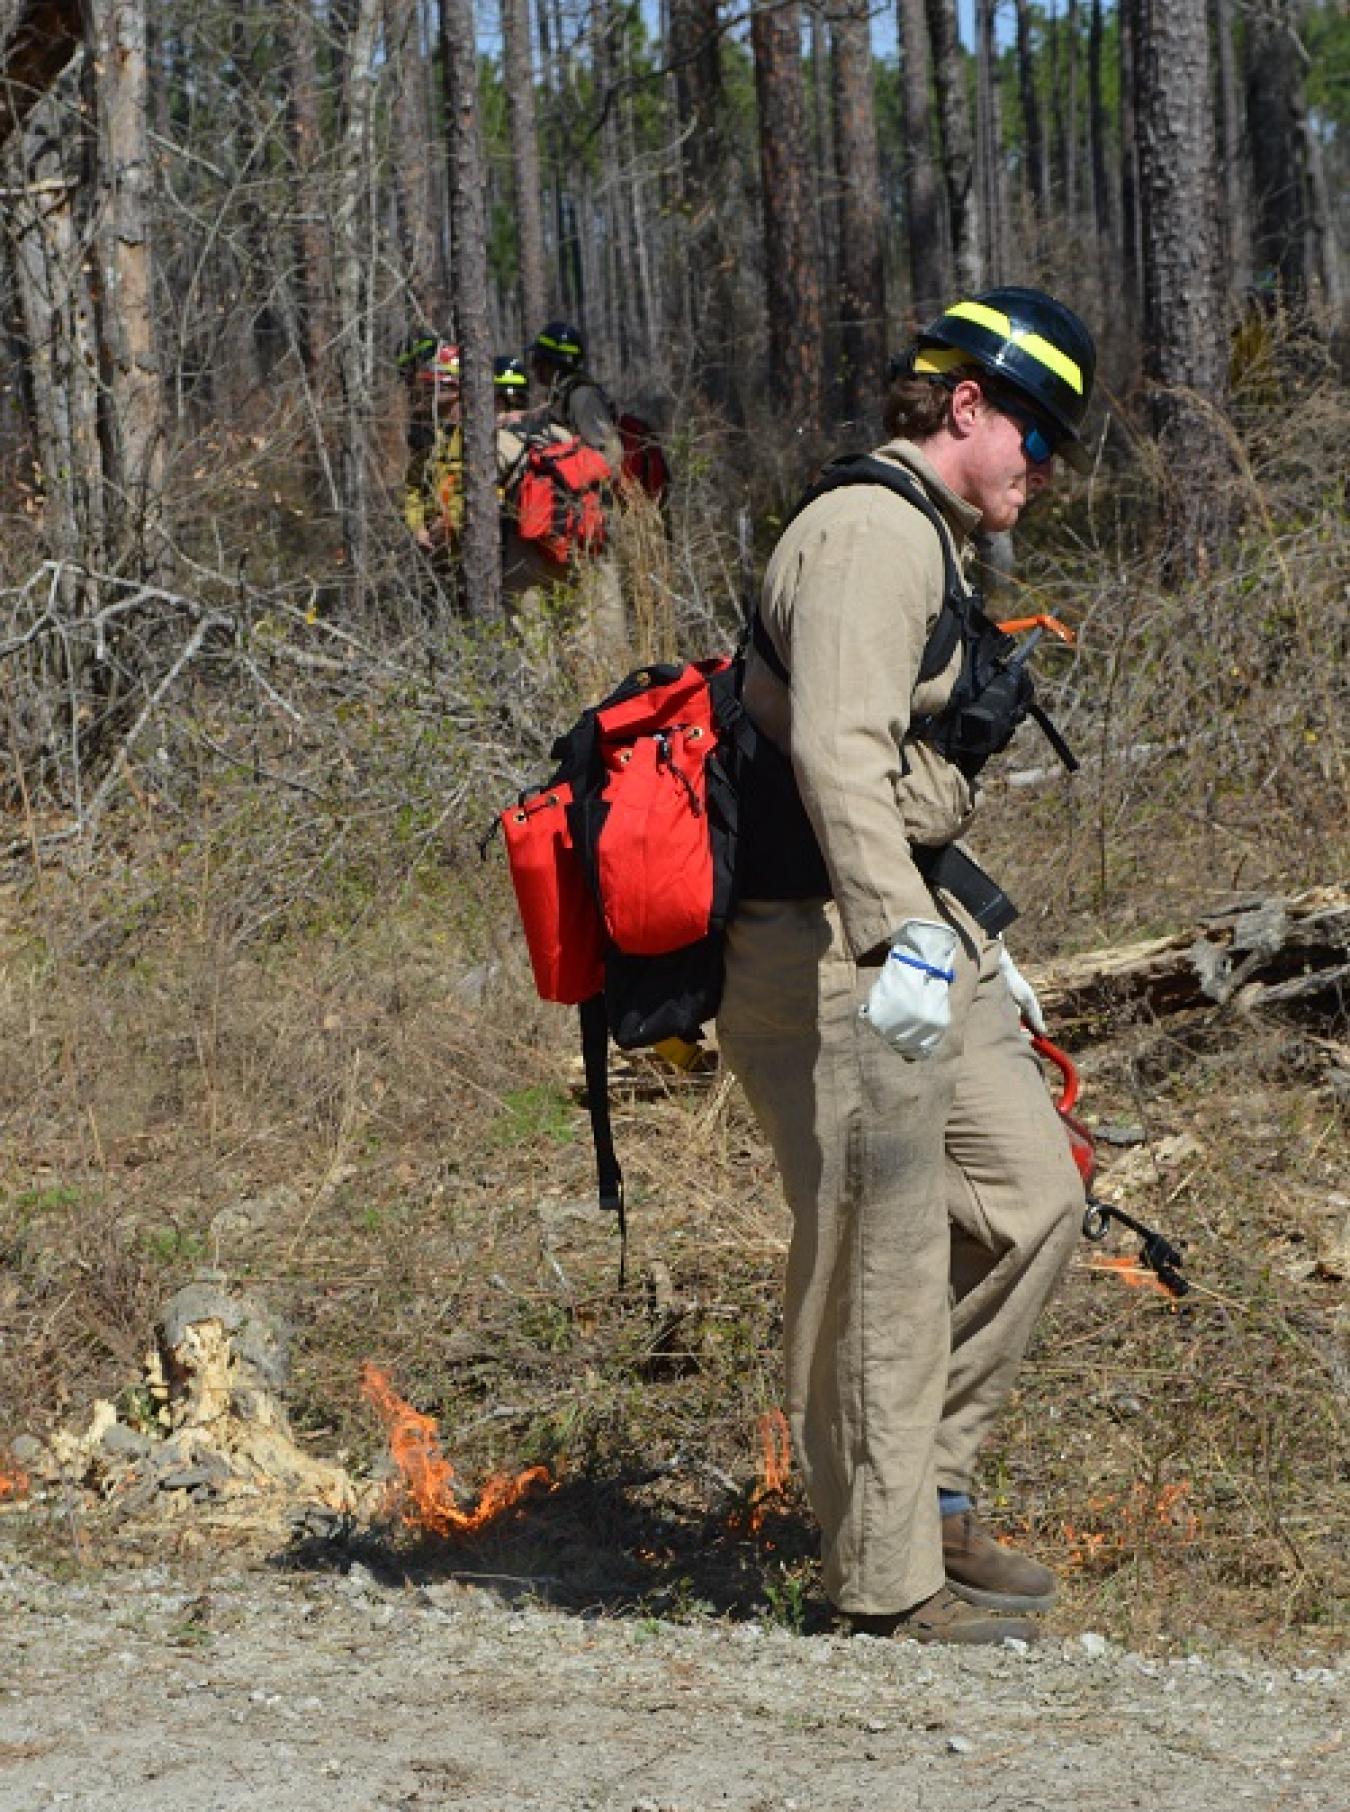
<point x="624" y="867"/>
<point x="560" y="499"/>
<point x="644" y="461"/>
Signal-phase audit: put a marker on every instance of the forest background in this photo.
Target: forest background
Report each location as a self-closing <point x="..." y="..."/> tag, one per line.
<point x="262" y="1006"/>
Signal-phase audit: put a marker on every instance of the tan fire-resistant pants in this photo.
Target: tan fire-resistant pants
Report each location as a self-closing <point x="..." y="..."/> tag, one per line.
<point x="934" y="1206"/>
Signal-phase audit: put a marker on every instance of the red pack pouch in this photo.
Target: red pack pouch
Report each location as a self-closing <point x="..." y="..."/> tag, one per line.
<point x="563" y="933"/>
<point x="653" y="854"/>
<point x="559" y="499"/>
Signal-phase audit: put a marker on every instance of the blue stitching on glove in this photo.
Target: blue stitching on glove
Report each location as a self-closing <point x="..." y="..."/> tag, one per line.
<point x="917" y="962"/>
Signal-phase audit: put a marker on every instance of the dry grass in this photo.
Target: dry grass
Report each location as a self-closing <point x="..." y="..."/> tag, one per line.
<point x="278" y="1022"/>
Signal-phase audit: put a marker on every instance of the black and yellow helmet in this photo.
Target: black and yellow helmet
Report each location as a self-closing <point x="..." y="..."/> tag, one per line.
<point x="509" y="377"/>
<point x="1025" y="339"/>
<point x="560" y="342"/>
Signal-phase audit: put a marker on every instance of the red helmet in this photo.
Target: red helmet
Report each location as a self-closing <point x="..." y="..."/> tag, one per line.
<point x="440" y="365"/>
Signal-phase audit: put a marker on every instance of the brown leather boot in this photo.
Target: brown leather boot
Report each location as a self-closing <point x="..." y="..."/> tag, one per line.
<point x="982" y="1571"/>
<point x="945" y="1618"/>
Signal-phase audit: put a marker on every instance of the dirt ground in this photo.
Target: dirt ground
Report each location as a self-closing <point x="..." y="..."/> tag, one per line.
<point x="233" y="1688"/>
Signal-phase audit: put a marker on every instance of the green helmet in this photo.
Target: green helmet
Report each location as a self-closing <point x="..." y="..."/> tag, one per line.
<point x="1022" y="338"/>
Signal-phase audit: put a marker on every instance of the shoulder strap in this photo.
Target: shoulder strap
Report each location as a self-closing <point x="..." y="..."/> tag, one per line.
<point x="866" y="468"/>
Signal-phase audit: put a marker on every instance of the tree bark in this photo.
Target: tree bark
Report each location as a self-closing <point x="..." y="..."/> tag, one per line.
<point x="354" y="228"/>
<point x="1234" y="214"/>
<point x="989" y="148"/>
<point x="862" y="279"/>
<point x="822" y="140"/>
<point x="1071" y="195"/>
<point x="482" y="562"/>
<point x="414" y="169"/>
<point x="1131" y="256"/>
<point x="1185" y="342"/>
<point x="527" y="177"/>
<point x="57" y="306"/>
<point x="929" y="274"/>
<point x="313" y="240"/>
<point x="792" y="268"/>
<point x="709" y="271"/>
<point x="1276" y="117"/>
<point x="1103" y="214"/>
<point x="1033" y="136"/>
<point x="133" y="410"/>
<point x="958" y="143"/>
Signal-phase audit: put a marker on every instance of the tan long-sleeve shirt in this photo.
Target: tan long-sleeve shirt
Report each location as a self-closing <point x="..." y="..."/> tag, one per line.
<point x="850" y="598"/>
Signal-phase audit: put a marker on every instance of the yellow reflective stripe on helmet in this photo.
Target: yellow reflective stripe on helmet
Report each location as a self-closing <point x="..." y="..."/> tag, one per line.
<point x="1035" y="345"/>
<point x="934" y="360"/>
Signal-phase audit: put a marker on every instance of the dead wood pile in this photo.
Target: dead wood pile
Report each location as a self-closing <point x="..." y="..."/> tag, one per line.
<point x="205" y="1428"/>
<point x="1289" y="953"/>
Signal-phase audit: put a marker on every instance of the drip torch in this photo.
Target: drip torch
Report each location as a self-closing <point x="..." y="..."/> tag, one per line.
<point x="1157" y="1253"/>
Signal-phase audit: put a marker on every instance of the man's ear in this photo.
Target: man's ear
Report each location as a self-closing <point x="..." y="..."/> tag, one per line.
<point x="967" y="405"/>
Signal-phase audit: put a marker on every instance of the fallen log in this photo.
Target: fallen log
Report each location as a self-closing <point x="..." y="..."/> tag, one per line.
<point x="1251" y="954"/>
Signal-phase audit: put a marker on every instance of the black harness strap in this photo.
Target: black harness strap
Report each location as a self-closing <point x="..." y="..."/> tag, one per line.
<point x="595" y="1061"/>
<point x="966" y="731"/>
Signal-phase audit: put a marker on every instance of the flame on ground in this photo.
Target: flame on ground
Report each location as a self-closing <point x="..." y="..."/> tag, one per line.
<point x="1132" y="1273"/>
<point x="425" y="1493"/>
<point x="13" y="1484"/>
<point x="776" y="1466"/>
<point x="1134" y="1520"/>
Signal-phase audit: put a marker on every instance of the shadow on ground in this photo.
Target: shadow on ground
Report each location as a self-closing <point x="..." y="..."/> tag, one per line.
<point x="604" y="1547"/>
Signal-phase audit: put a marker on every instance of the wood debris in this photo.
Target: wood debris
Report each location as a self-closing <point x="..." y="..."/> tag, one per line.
<point x="206" y="1428"/>
<point x="1255" y="954"/>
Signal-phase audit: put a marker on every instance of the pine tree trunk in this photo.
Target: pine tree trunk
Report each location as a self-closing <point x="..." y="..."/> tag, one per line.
<point x="481" y="564"/>
<point x="958" y="143"/>
<point x="413" y="170"/>
<point x="43" y="176"/>
<point x="710" y="269"/>
<point x="1185" y="345"/>
<point x="788" y="198"/>
<point x="1131" y="255"/>
<point x="1234" y="215"/>
<point x="1103" y="214"/>
<point x="989" y="148"/>
<point x="1276" y="116"/>
<point x="353" y="233"/>
<point x="313" y="242"/>
<point x="862" y="279"/>
<point x="1032" y="133"/>
<point x="133" y="432"/>
<point x="929" y="273"/>
<point x="822" y="138"/>
<point x="1071" y="195"/>
<point x="527" y="179"/>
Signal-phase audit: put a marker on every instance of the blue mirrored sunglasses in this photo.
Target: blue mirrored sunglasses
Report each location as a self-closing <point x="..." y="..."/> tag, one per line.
<point x="1038" y="442"/>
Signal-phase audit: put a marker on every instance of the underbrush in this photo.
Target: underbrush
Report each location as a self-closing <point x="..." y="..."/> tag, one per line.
<point x="276" y="1021"/>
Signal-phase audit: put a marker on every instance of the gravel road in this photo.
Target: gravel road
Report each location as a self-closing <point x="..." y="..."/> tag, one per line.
<point x="253" y="1692"/>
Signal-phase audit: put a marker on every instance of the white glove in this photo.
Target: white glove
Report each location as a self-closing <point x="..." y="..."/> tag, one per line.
<point x="910" y="1002"/>
<point x="1024" y="995"/>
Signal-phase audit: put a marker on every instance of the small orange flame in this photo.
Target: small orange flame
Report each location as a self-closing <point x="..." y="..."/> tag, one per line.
<point x="425" y="1494"/>
<point x="13" y="1484"/>
<point x="772" y="1482"/>
<point x="1132" y="1273"/>
<point x="1143" y="1516"/>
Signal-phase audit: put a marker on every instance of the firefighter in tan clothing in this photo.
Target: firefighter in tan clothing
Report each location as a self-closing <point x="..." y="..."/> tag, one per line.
<point x="871" y="1010"/>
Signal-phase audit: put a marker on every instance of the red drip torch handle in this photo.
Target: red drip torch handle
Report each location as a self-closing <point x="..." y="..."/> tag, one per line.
<point x="1064" y="1064"/>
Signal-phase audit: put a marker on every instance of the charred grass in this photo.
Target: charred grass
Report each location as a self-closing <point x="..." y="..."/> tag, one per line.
<point x="278" y="1023"/>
